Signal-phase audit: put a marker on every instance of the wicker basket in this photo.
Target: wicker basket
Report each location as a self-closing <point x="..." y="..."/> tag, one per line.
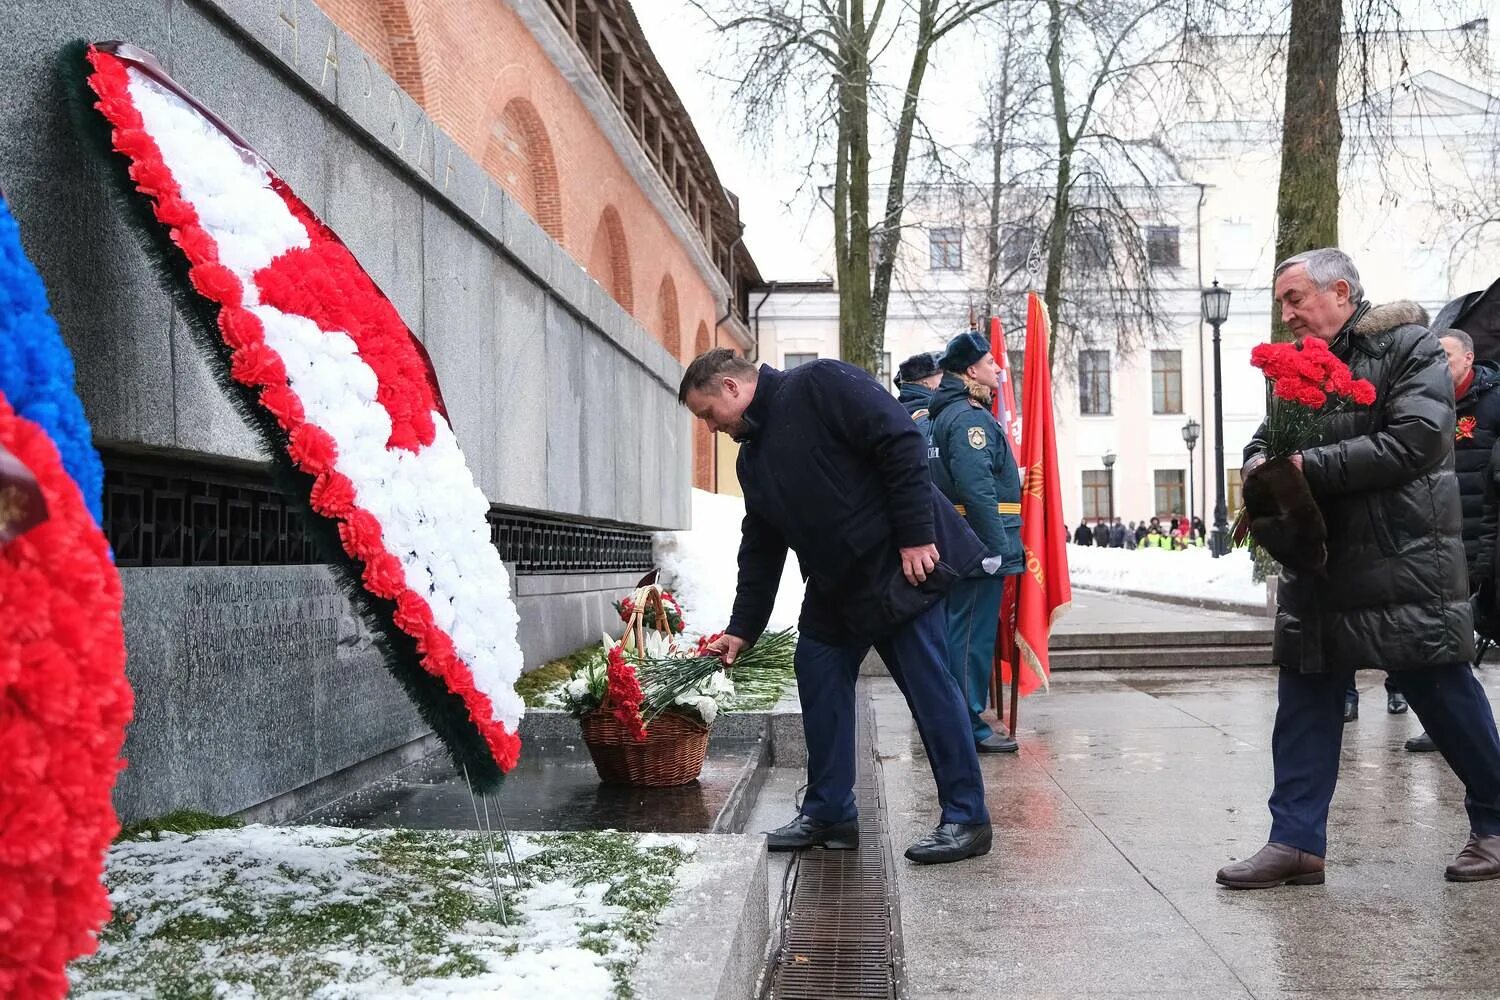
<point x="673" y="750"/>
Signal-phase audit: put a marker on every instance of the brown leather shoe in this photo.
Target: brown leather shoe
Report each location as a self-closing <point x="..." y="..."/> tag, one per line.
<point x="1479" y="861"/>
<point x="1273" y="865"/>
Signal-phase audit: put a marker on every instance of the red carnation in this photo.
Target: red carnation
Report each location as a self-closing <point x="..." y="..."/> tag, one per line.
<point x="360" y="533"/>
<point x="332" y="494"/>
<point x="312" y="448"/>
<point x="623" y="693"/>
<point x="1363" y="392"/>
<point x="257" y="364"/>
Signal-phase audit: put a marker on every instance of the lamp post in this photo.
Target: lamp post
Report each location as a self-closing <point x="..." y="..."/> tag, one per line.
<point x="1109" y="467"/>
<point x="1190" y="432"/>
<point x="1215" y="312"/>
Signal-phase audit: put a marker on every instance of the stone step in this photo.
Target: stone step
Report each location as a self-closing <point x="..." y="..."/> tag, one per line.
<point x="1139" y="638"/>
<point x="1122" y="658"/>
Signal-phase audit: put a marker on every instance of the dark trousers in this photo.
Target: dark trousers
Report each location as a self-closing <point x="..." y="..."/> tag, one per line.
<point x="973" y="619"/>
<point x="916" y="656"/>
<point x="1309" y="730"/>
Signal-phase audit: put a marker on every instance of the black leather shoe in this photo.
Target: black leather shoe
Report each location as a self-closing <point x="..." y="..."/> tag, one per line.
<point x="1421" y="743"/>
<point x="1395" y="703"/>
<point x="1273" y="865"/>
<point x="804" y="832"/>
<point x="1351" y="710"/>
<point x="951" y="842"/>
<point x="997" y="742"/>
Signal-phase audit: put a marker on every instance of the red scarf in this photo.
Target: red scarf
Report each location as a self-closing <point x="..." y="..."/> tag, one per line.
<point x="1463" y="386"/>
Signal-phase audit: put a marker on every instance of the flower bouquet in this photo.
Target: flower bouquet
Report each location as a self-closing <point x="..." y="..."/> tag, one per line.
<point x="1308" y="385"/>
<point x="646" y="703"/>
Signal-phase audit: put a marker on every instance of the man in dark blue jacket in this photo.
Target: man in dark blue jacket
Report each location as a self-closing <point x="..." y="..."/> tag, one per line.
<point x="972" y="464"/>
<point x="833" y="468"/>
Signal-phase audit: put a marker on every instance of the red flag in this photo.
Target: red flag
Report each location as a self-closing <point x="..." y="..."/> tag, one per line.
<point x="1043" y="591"/>
<point x="1003" y="405"/>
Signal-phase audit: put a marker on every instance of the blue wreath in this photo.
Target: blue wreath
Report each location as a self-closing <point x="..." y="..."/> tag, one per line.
<point x="36" y="370"/>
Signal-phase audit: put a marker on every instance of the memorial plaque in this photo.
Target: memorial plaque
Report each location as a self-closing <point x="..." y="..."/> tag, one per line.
<point x="249" y="682"/>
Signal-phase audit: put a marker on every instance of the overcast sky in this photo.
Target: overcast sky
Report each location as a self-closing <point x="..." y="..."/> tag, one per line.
<point x="790" y="241"/>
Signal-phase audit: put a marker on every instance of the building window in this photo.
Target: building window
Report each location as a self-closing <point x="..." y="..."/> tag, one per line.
<point x="1166" y="381"/>
<point x="1233" y="494"/>
<point x="1163" y="246"/>
<point x="1017" y="249"/>
<point x="1091" y="250"/>
<point x="1171" y="496"/>
<point x="1093" y="383"/>
<point x="793" y="360"/>
<point x="945" y="247"/>
<point x="1096" y="494"/>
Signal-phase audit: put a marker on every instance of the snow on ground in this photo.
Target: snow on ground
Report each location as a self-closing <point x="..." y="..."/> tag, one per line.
<point x="331" y="913"/>
<point x="1187" y="573"/>
<point x="700" y="566"/>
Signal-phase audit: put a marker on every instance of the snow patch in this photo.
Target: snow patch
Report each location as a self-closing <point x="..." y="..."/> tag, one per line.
<point x="701" y="566"/>
<point x="1192" y="573"/>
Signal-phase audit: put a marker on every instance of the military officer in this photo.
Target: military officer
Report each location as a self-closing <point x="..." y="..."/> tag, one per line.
<point x="917" y="377"/>
<point x="973" y="466"/>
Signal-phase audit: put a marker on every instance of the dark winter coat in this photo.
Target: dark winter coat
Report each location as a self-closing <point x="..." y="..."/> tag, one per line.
<point x="1083" y="536"/>
<point x="917" y="400"/>
<point x="1117" y="536"/>
<point x="833" y="468"/>
<point x="972" y="465"/>
<point x="1101" y="535"/>
<point x="1474" y="454"/>
<point x="1394" y="592"/>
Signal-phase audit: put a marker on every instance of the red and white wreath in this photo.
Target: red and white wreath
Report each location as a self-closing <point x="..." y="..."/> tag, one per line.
<point x="341" y="374"/>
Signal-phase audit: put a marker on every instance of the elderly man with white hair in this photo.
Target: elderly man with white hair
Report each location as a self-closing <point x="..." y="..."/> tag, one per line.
<point x="1383" y="583"/>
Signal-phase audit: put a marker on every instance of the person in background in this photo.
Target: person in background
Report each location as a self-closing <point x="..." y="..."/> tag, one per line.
<point x="1141" y="531"/>
<point x="1101" y="533"/>
<point x="1117" y="534"/>
<point x="1199" y="532"/>
<point x="1083" y="536"/>
<point x="1132" y="536"/>
<point x="1067" y="535"/>
<point x="973" y="466"/>
<point x="1476" y="460"/>
<point x="917" y="376"/>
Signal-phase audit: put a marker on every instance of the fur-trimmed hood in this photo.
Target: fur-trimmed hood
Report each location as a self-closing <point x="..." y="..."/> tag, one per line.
<point x="1384" y="318"/>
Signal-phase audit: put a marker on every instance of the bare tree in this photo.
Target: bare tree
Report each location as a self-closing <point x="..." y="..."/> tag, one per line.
<point x="1312" y="134"/>
<point x="815" y="62"/>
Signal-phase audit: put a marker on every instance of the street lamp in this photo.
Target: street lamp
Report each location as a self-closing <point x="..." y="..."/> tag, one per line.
<point x="1109" y="467"/>
<point x="1215" y="312"/>
<point x="1190" y="432"/>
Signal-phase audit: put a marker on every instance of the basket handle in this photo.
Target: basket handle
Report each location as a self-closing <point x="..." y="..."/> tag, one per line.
<point x="635" y="630"/>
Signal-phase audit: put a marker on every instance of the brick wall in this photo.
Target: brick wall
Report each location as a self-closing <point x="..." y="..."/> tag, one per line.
<point x="479" y="73"/>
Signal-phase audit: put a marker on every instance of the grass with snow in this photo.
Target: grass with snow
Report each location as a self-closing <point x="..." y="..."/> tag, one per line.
<point x="326" y="912"/>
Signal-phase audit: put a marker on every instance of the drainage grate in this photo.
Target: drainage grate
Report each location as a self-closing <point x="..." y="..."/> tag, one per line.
<point x="837" y="940"/>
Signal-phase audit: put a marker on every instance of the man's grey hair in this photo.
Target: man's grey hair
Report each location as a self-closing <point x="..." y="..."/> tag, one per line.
<point x="704" y="373"/>
<point x="1464" y="340"/>
<point x="1324" y="267"/>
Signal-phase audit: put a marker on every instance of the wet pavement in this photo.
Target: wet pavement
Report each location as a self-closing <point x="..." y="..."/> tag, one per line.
<point x="1095" y="612"/>
<point x="1131" y="790"/>
<point x="554" y="787"/>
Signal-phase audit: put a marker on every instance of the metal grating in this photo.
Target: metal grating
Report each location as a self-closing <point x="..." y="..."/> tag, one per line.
<point x="837" y="941"/>
<point x="175" y="512"/>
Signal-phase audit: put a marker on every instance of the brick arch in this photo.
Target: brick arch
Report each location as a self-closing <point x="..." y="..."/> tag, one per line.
<point x="405" y="57"/>
<point x="609" y="260"/>
<point x="703" y="441"/>
<point x="669" y="326"/>
<point x="518" y="154"/>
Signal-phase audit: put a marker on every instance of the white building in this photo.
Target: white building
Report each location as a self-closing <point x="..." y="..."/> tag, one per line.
<point x="1214" y="218"/>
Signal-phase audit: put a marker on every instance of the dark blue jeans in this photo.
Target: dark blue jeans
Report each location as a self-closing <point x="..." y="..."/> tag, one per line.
<point x="1448" y="701"/>
<point x="915" y="654"/>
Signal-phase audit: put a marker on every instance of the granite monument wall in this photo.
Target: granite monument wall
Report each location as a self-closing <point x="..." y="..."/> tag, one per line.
<point x="253" y="682"/>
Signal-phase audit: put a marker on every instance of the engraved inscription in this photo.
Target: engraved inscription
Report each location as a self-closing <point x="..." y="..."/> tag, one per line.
<point x="232" y="625"/>
<point x="330" y="62"/>
<point x="289" y="30"/>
